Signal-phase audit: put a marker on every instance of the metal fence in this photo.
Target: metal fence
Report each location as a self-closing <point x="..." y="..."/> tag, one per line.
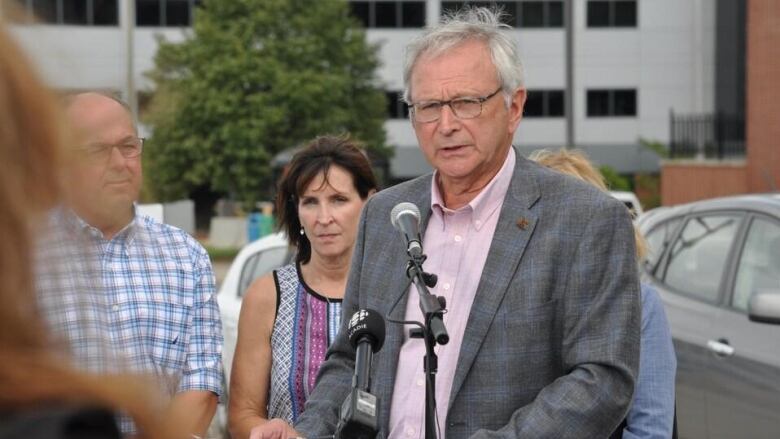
<point x="707" y="136"/>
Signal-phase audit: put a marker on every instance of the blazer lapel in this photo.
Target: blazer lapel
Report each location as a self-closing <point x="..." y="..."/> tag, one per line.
<point x="418" y="193"/>
<point x="515" y="226"/>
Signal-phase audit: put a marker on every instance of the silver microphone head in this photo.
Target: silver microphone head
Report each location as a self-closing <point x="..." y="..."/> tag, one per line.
<point x="401" y="209"/>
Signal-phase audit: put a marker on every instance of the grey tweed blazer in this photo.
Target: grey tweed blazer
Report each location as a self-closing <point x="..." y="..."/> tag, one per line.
<point x="551" y="346"/>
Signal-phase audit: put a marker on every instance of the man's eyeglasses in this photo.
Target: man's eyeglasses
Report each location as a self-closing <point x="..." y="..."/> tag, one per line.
<point x="462" y="108"/>
<point x="130" y="148"/>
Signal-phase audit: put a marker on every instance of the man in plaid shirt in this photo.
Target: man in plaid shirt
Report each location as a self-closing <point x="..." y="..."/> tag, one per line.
<point x="159" y="306"/>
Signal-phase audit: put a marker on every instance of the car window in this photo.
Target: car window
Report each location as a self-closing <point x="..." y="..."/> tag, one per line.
<point x="658" y="239"/>
<point x="631" y="208"/>
<point x="260" y="263"/>
<point x="698" y="256"/>
<point x="759" y="265"/>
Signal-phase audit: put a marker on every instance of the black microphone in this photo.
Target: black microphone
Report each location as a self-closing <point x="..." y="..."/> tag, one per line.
<point x="358" y="419"/>
<point x="366" y="332"/>
<point x="406" y="219"/>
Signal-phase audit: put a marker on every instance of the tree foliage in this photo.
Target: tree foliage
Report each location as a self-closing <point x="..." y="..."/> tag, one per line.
<point x="615" y="181"/>
<point x="253" y="78"/>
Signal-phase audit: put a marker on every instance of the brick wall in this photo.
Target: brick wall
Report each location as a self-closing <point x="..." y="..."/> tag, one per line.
<point x="762" y="95"/>
<point x="689" y="181"/>
<point x="682" y="182"/>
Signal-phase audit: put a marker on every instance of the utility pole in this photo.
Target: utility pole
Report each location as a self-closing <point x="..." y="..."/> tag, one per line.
<point x="128" y="19"/>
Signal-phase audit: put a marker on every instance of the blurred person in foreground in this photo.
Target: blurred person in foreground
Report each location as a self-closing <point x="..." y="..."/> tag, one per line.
<point x="43" y="395"/>
<point x="157" y="281"/>
<point x="538" y="269"/>
<point x="652" y="411"/>
<point x="318" y="204"/>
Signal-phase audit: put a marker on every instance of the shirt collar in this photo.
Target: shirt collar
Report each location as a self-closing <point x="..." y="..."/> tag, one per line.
<point x="76" y="223"/>
<point x="489" y="198"/>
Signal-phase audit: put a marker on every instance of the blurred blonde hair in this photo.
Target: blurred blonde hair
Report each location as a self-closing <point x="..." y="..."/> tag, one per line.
<point x="577" y="164"/>
<point x="32" y="135"/>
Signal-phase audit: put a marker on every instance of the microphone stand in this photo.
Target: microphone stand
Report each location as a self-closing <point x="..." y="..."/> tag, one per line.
<point x="432" y="332"/>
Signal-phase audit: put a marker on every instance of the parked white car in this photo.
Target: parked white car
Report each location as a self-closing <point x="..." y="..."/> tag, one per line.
<point x="253" y="261"/>
<point x="630" y="200"/>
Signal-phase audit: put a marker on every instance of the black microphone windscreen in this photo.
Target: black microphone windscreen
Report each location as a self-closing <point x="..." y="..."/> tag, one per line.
<point x="367" y="323"/>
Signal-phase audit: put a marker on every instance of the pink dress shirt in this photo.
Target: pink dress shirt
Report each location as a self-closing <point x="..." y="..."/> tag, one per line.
<point x="457" y="244"/>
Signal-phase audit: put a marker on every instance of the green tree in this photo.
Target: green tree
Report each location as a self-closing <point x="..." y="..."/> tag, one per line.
<point x="615" y="181"/>
<point x="253" y="78"/>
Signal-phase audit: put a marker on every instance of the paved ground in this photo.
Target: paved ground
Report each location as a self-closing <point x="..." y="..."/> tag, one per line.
<point x="217" y="429"/>
<point x="220" y="271"/>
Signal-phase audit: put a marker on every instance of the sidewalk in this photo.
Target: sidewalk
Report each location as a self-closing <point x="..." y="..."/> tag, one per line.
<point x="220" y="271"/>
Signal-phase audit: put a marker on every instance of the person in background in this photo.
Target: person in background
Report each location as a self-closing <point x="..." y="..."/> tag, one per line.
<point x="290" y="317"/>
<point x="157" y="280"/>
<point x="43" y="394"/>
<point x="651" y="415"/>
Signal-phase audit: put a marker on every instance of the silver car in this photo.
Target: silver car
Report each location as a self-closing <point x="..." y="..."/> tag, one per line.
<point x="716" y="264"/>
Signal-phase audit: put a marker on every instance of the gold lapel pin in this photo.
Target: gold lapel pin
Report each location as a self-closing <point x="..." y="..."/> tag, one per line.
<point x="522" y="223"/>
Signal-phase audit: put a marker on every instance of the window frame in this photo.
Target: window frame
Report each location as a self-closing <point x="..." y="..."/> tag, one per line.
<point x="514" y="9"/>
<point x="611" y="102"/>
<point x="750" y="218"/>
<point x="729" y="269"/>
<point x="398" y="10"/>
<point x="545" y="96"/>
<point x="395" y="98"/>
<point x="652" y="269"/>
<point x="59" y="11"/>
<point x="611" y="22"/>
<point x="162" y="11"/>
<point x="255" y="259"/>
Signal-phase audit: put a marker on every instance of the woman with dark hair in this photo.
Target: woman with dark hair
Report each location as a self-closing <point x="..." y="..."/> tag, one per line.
<point x="289" y="318"/>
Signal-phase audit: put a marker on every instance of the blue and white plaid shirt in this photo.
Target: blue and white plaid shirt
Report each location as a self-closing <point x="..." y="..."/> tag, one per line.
<point x="158" y="307"/>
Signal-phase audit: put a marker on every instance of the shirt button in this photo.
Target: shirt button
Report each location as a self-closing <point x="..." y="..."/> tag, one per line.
<point x="409" y="431"/>
<point x="457" y="238"/>
<point x="478" y="223"/>
<point x="115" y="307"/>
<point x="420" y="382"/>
<point x="446" y="285"/>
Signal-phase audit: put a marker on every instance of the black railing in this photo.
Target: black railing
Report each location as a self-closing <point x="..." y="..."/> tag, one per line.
<point x="707" y="136"/>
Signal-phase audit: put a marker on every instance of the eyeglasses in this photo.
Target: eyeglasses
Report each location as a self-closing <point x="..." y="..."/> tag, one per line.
<point x="462" y="108"/>
<point x="130" y="148"/>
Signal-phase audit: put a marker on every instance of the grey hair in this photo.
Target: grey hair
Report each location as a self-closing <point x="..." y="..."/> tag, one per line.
<point x="469" y="24"/>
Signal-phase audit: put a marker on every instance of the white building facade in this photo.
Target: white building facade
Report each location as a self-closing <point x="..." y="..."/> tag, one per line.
<point x="633" y="62"/>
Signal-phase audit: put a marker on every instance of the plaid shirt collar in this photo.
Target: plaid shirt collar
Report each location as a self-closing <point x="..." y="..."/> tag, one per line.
<point x="76" y="224"/>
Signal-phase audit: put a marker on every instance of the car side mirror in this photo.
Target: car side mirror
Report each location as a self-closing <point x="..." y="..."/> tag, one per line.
<point x="764" y="307"/>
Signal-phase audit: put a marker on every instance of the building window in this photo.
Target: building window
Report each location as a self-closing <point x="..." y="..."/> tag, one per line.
<point x="177" y="13"/>
<point x="615" y="13"/>
<point x="544" y="103"/>
<point x="389" y="14"/>
<point x="541" y="14"/>
<point x="46" y="11"/>
<point x="396" y="107"/>
<point x="72" y="12"/>
<point x="611" y="103"/>
<point x="147" y="12"/>
<point x="518" y="13"/>
<point x="173" y="13"/>
<point x="105" y="12"/>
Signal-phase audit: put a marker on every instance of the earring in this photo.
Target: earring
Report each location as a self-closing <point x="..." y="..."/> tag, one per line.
<point x="302" y="232"/>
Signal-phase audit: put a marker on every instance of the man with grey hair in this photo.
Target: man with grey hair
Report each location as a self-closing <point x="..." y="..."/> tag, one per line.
<point x="537" y="268"/>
